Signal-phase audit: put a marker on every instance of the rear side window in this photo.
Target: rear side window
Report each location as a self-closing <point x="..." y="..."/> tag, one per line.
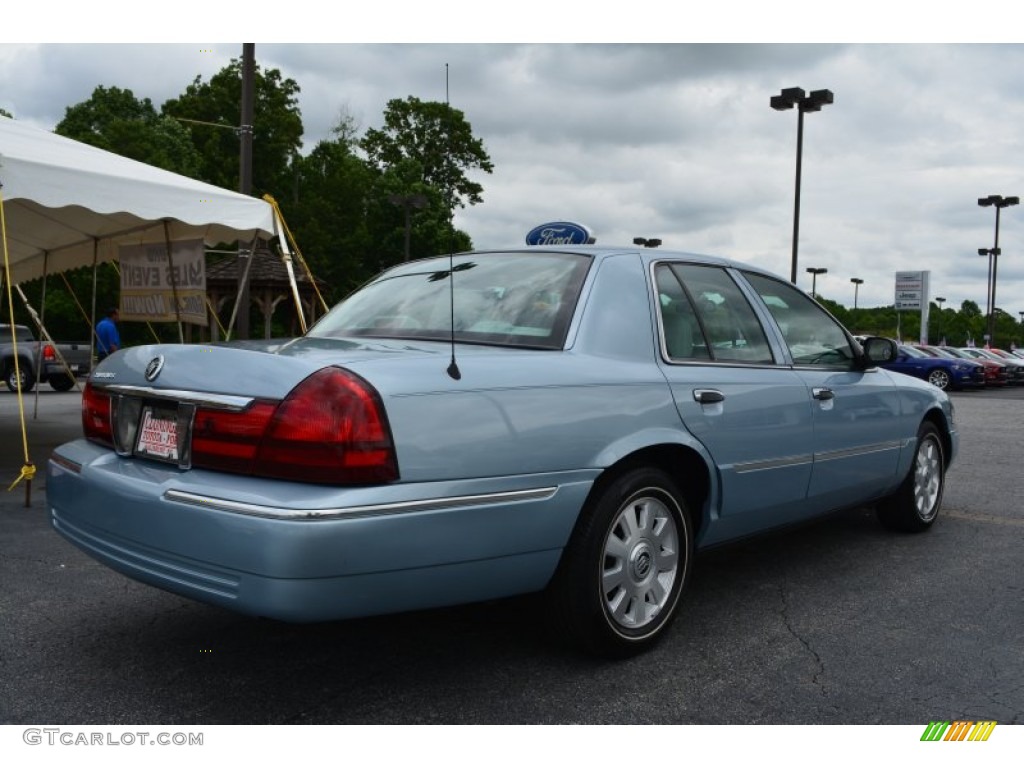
<point x="706" y="317"/>
<point x="812" y="335"/>
<point x="24" y="334"/>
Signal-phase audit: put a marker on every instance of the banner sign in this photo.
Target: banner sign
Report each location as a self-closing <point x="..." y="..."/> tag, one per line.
<point x="912" y="293"/>
<point x="911" y="290"/>
<point x="149" y="283"/>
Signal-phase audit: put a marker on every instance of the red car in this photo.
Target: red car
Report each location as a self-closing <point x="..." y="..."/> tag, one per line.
<point x="1014" y="365"/>
<point x="995" y="373"/>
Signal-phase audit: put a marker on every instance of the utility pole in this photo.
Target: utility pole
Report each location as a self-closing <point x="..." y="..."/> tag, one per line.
<point x="245" y="180"/>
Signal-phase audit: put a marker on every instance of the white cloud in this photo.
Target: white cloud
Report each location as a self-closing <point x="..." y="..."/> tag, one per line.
<point x="669" y="141"/>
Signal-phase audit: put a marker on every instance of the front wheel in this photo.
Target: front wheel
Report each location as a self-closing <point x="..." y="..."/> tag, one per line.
<point x="915" y="505"/>
<point x="27" y="379"/>
<point x="627" y="563"/>
<point x="939" y="378"/>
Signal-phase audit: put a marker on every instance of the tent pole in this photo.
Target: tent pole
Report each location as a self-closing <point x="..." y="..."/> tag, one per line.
<point x="42" y="321"/>
<point x="92" y="320"/>
<point x="44" y="335"/>
<point x="244" y="282"/>
<point x="286" y="257"/>
<point x="174" y="282"/>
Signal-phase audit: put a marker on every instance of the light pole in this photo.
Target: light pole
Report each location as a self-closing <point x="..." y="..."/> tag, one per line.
<point x="815" y="271"/>
<point x="813" y="102"/>
<point x="940" y="300"/>
<point x="999" y="202"/>
<point x="991" y="253"/>
<point x="857" y="283"/>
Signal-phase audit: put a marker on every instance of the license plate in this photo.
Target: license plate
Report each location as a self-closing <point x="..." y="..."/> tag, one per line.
<point x="158" y="434"/>
<point x="74" y="368"/>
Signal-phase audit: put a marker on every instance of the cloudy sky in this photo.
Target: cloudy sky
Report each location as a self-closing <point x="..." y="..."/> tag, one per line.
<point x="667" y="140"/>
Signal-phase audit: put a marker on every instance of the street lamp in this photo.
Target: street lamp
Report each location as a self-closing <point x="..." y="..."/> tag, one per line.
<point x="408" y="202"/>
<point x="815" y="271"/>
<point x="999" y="202"/>
<point x="813" y="102"/>
<point x="940" y="300"/>
<point x="857" y="283"/>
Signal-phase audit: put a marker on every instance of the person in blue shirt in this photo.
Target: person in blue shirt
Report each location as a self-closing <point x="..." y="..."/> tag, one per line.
<point x="108" y="340"/>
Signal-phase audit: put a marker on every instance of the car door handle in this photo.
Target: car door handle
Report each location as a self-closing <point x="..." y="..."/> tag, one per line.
<point x="822" y="393"/>
<point x="705" y="396"/>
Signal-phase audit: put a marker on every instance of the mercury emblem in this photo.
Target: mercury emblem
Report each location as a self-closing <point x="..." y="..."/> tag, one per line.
<point x="154" y="367"/>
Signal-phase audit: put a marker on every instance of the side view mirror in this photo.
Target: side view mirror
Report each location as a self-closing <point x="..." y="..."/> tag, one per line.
<point x="878" y="350"/>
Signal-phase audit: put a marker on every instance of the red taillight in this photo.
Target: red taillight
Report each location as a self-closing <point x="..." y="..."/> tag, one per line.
<point x="228" y="441"/>
<point x="330" y="429"/>
<point x="48" y="353"/>
<point x="96" y="416"/>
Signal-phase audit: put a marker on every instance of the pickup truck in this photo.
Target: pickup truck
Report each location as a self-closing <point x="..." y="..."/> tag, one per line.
<point x="37" y="360"/>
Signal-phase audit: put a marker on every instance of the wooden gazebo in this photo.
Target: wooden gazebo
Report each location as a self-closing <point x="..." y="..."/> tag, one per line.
<point x="268" y="287"/>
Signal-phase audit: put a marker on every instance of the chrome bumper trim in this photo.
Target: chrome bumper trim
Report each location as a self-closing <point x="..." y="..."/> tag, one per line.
<point x="65" y="463"/>
<point x="198" y="399"/>
<point x="369" y="510"/>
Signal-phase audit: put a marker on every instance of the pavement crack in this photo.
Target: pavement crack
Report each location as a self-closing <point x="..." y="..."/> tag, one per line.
<point x="819" y="674"/>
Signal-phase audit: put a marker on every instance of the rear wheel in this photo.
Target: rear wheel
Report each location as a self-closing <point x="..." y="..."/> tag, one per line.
<point x="939" y="378"/>
<point x="61" y="382"/>
<point x="622" y="575"/>
<point x="27" y="379"/>
<point x="915" y="505"/>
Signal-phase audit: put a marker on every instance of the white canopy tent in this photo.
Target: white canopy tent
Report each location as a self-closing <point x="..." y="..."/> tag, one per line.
<point x="67" y="204"/>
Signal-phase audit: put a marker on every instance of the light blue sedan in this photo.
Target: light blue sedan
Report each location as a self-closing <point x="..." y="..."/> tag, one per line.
<point x="574" y="420"/>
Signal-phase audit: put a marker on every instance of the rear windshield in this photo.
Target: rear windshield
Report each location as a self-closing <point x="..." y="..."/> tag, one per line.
<point x="518" y="299"/>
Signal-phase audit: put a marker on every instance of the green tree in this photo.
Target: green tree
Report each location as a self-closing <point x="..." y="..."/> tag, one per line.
<point x="115" y="120"/>
<point x="970" y="309"/>
<point x="431" y="230"/>
<point x="328" y="215"/>
<point x="970" y="323"/>
<point x="438" y="140"/>
<point x="213" y="110"/>
<point x="1006" y="329"/>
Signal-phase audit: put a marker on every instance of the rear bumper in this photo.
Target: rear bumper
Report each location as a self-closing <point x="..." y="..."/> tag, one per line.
<point x="305" y="553"/>
<point x="51" y="370"/>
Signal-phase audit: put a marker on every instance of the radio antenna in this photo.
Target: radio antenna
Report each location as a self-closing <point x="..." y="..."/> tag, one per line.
<point x="453" y="367"/>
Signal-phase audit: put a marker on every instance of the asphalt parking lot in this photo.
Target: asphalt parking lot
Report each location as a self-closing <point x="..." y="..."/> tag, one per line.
<point x="838" y="622"/>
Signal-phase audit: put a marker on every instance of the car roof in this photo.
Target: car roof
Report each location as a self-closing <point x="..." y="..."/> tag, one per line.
<point x="601" y="252"/>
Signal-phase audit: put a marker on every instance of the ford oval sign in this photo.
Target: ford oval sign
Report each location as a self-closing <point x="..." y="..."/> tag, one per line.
<point x="559" y="233"/>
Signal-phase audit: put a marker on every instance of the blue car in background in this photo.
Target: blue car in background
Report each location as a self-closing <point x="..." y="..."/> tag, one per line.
<point x="573" y="420"/>
<point x="939" y="369"/>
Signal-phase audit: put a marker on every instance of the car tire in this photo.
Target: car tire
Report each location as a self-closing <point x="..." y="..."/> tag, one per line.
<point x="28" y="381"/>
<point x="61" y="382"/>
<point x="939" y="378"/>
<point x="915" y="506"/>
<point x="618" y="586"/>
